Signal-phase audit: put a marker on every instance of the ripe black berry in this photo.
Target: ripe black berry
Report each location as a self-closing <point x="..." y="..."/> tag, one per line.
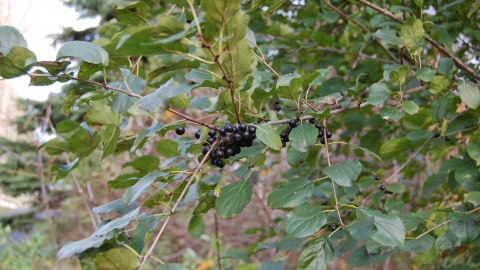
<point x="312" y="120"/>
<point x="278" y="107"/>
<point x="237" y="137"/>
<point x="318" y="126"/>
<point x="253" y="136"/>
<point x="222" y="131"/>
<point x="322" y="140"/>
<point x="205" y="150"/>
<point x="219" y="154"/>
<point x="180" y="130"/>
<point x="229" y="152"/>
<point x="377" y="177"/>
<point x="447" y="138"/>
<point x="329" y="134"/>
<point x="277" y="102"/>
<point x="222" y="147"/>
<point x="213" y="161"/>
<point x="249" y="144"/>
<point x="210" y="140"/>
<point x="252" y="129"/>
<point x="292" y="123"/>
<point x="382" y="187"/>
<point x="242" y="127"/>
<point x="332" y="227"/>
<point x="320" y="133"/>
<point x="283" y="134"/>
<point x="436" y="135"/>
<point x="284" y="144"/>
<point x="219" y="163"/>
<point x="212" y="132"/>
<point x="388" y="192"/>
<point x="228" y="128"/>
<point x="198" y="134"/>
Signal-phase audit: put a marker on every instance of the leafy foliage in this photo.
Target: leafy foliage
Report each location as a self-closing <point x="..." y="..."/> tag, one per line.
<point x="377" y="107"/>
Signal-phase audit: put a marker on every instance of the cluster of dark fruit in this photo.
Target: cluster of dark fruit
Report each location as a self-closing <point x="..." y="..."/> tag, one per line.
<point x="230" y="141"/>
<point x="437" y="135"/>
<point x="322" y="134"/>
<point x="384" y="189"/>
<point x="286" y="132"/>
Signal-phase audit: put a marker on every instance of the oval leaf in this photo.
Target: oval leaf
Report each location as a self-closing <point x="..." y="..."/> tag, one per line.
<point x="233" y="199"/>
<point x="304" y="221"/>
<point x="293" y="193"/>
<point x="88" y="52"/>
<point x="267" y="135"/>
<point x="345" y="173"/>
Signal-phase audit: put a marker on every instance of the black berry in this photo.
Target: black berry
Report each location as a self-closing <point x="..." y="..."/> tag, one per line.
<point x="312" y="120"/>
<point x="252" y="129"/>
<point x="222" y="131"/>
<point x="292" y="123"/>
<point x="277" y="108"/>
<point x="219" y="163"/>
<point x="219" y="154"/>
<point x="228" y="128"/>
<point x="198" y="134"/>
<point x="213" y="161"/>
<point x="447" y="138"/>
<point x="229" y="152"/>
<point x="436" y="135"/>
<point x="318" y="126"/>
<point x="320" y="133"/>
<point x="210" y="140"/>
<point x="277" y="102"/>
<point x="249" y="144"/>
<point x="377" y="177"/>
<point x="382" y="187"/>
<point x="242" y="127"/>
<point x="283" y="134"/>
<point x="322" y="140"/>
<point x="212" y="132"/>
<point x="329" y="134"/>
<point x="284" y="144"/>
<point x="180" y="130"/>
<point x="253" y="136"/>
<point x="205" y="150"/>
<point x="237" y="137"/>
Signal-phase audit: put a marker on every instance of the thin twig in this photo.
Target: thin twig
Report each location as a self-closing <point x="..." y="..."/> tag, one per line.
<point x="217" y="240"/>
<point x="443" y="223"/>
<point x="266" y="64"/>
<point x="204" y="160"/>
<point x="458" y="62"/>
<point x="17" y="156"/>
<point x="337" y="209"/>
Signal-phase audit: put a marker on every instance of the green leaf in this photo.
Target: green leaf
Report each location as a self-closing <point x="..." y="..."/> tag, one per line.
<point x="117" y="206"/>
<point x="399" y="75"/>
<point x="378" y="94"/>
<point x="344" y="174"/>
<point x="16" y="62"/>
<point x="233" y="199"/>
<point x="425" y="74"/>
<point x="447" y="241"/>
<point x="118" y="223"/>
<point x="276" y="265"/>
<point x="56" y="146"/>
<point x="440" y="106"/>
<point x="410" y="107"/>
<point x="82" y="143"/>
<point x="391" y="231"/>
<point x="274" y="6"/>
<point x="303" y="138"/>
<point x="137" y="190"/>
<point x="167" y="148"/>
<point x="235" y="254"/>
<point x="445" y="66"/>
<point x="88" y="52"/>
<point x="363" y="229"/>
<point x="472" y="197"/>
<point x="178" y="65"/>
<point x="145" y="134"/>
<point x="74" y="94"/>
<point x="328" y="99"/>
<point x="291" y="90"/>
<point x="80" y="246"/>
<point x="147" y="225"/>
<point x="52" y="67"/>
<point x="360" y="257"/>
<point x="317" y="255"/>
<point x="394" y="147"/>
<point x="304" y="221"/>
<point x="410" y="221"/>
<point x="204" y="205"/>
<point x="10" y="37"/>
<point x="295" y="158"/>
<point x="131" y="83"/>
<point x="290" y="243"/>
<point x="469" y="94"/>
<point x="397" y="188"/>
<point x="117" y="259"/>
<point x="464" y="226"/>
<point x="249" y="266"/>
<point x="412" y="33"/>
<point x="135" y="14"/>
<point x="63" y="169"/>
<point x="419" y="245"/>
<point x="267" y="135"/>
<point x="100" y="114"/>
<point x="390" y="36"/>
<point x="354" y="146"/>
<point x="196" y="226"/>
<point x="438" y="84"/>
<point x="109" y="139"/>
<point x="393" y="113"/>
<point x="294" y="192"/>
<point x="171" y="266"/>
<point x="432" y="183"/>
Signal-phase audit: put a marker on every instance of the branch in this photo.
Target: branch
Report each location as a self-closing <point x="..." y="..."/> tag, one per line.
<point x="266" y="64"/>
<point x="204" y="160"/>
<point x="434" y="43"/>
<point x="17" y="156"/>
<point x="443" y="223"/>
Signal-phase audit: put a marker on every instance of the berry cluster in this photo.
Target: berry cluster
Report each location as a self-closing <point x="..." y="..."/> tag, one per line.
<point x="230" y="141"/>
<point x="321" y="133"/>
<point x="384" y="189"/>
<point x="286" y="132"/>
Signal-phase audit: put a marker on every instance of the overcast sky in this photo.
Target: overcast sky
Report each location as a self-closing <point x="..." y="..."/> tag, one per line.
<point x="44" y="17"/>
